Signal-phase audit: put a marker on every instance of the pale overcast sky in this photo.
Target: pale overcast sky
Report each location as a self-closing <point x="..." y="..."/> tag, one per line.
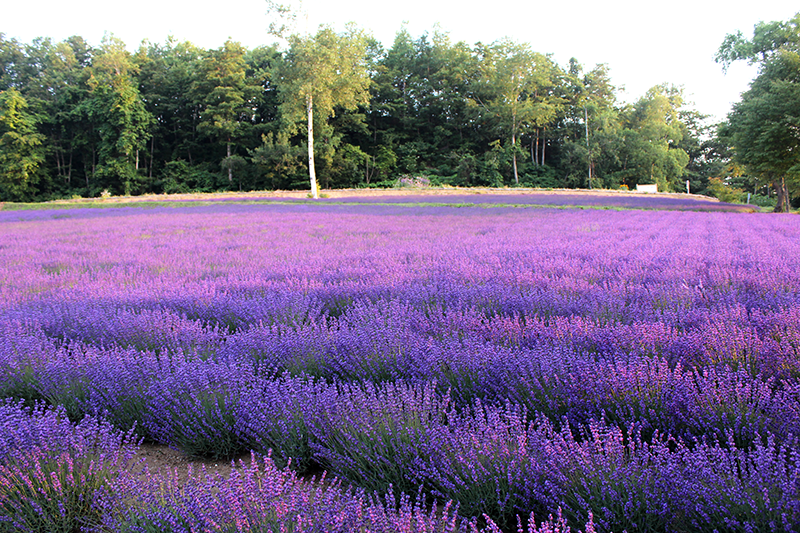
<point x="643" y="43"/>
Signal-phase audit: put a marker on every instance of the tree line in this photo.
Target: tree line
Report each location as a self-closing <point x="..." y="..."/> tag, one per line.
<point x="339" y="108"/>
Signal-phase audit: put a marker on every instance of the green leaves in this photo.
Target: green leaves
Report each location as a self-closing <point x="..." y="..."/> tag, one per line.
<point x="653" y="130"/>
<point x="223" y="90"/>
<point x="320" y="73"/>
<point x="517" y="90"/>
<point x="768" y="39"/>
<point x="225" y="95"/>
<point x="21" y="150"/>
<point x="763" y="127"/>
<point x="121" y="122"/>
<point x="176" y="117"/>
<point x="330" y="67"/>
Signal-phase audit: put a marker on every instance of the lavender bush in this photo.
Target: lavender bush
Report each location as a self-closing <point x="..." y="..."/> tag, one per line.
<point x="260" y="498"/>
<point x="277" y="416"/>
<point x="57" y="477"/>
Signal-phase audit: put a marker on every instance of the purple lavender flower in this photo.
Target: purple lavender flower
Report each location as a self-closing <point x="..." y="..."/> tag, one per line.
<point x="636" y="369"/>
<point x="55" y="476"/>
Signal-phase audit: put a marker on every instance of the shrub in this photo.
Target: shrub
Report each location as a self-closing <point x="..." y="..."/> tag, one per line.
<point x="56" y="477"/>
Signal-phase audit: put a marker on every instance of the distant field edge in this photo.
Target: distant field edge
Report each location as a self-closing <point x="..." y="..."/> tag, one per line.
<point x="438" y="196"/>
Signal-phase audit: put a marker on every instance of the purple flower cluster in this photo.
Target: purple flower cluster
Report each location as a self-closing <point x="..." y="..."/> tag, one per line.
<point x="260" y="497"/>
<point x="631" y="370"/>
<point x="56" y="476"/>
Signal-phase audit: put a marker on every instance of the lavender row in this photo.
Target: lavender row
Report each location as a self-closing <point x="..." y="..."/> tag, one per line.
<point x="761" y="341"/>
<point x="259" y="497"/>
<point x="612" y="200"/>
<point x="56" y="476"/>
<point x="560" y="199"/>
<point x="498" y="460"/>
<point x="568" y="369"/>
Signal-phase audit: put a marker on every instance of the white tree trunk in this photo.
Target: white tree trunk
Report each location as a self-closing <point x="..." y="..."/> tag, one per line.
<point x="152" y="144"/>
<point x="312" y="173"/>
<point x="514" y="157"/>
<point x="544" y="143"/>
<point x="230" y="168"/>
<point x="588" y="149"/>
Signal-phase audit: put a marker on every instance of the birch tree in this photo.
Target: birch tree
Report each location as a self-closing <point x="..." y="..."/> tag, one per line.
<point x="321" y="73"/>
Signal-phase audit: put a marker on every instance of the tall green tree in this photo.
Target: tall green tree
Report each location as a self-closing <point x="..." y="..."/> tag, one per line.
<point x="123" y="123"/>
<point x="516" y="92"/>
<point x="708" y="155"/>
<point x="653" y="131"/>
<point x="321" y="73"/>
<point x="590" y="127"/>
<point x="166" y="74"/>
<point x="763" y="126"/>
<point x="12" y="59"/>
<point x="420" y="113"/>
<point x="55" y="86"/>
<point x="227" y="96"/>
<point x="21" y="150"/>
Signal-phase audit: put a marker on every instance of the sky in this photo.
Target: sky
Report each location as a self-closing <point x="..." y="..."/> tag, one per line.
<point x="644" y="43"/>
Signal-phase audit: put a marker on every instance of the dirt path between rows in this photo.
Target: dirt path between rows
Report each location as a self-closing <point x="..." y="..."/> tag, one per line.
<point x="160" y="458"/>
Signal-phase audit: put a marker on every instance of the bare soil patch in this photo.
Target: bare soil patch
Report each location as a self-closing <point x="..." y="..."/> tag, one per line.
<point x="161" y="458"/>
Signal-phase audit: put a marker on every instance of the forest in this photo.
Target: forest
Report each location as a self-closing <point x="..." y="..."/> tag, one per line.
<point x="78" y="119"/>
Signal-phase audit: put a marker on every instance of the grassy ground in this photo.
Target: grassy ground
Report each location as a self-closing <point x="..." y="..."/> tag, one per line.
<point x="438" y="196"/>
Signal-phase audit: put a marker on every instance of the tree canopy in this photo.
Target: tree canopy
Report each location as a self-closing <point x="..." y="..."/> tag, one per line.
<point x="319" y="74"/>
<point x="21" y="151"/>
<point x="763" y="127"/>
<point x="337" y="109"/>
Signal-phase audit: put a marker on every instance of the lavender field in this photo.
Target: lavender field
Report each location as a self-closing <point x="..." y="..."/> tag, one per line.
<point x="449" y="369"/>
